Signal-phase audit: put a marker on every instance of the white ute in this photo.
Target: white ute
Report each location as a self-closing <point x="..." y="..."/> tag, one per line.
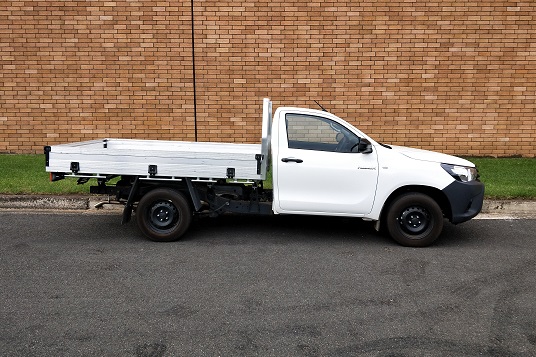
<point x="321" y="165"/>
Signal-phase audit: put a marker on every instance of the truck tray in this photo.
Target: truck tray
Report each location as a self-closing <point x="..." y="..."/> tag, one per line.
<point x="156" y="158"/>
<point x="162" y="159"/>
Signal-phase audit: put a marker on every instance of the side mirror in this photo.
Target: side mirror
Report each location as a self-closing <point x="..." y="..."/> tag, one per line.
<point x="364" y="146"/>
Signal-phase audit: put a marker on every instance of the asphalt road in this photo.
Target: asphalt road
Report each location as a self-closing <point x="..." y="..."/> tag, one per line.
<point x="83" y="285"/>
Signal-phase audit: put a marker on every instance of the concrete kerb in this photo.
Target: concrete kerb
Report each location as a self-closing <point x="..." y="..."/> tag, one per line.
<point x="491" y="209"/>
<point x="44" y="202"/>
<point x="508" y="209"/>
<point x="55" y="202"/>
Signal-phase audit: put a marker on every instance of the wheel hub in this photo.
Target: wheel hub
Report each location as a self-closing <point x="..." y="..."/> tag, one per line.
<point x="414" y="220"/>
<point x="162" y="214"/>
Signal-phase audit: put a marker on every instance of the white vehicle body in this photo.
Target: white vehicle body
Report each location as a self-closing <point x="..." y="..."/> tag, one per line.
<point x="322" y="165"/>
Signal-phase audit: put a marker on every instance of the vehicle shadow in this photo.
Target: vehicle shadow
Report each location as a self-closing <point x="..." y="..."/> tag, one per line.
<point x="238" y="229"/>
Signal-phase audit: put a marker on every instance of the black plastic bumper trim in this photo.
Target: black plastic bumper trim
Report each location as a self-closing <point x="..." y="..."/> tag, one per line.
<point x="465" y="198"/>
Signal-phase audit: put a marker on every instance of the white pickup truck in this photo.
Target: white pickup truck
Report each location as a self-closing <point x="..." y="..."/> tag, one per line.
<point x="321" y="165"/>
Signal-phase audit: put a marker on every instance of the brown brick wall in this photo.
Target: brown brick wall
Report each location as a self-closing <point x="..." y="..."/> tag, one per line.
<point x="455" y="76"/>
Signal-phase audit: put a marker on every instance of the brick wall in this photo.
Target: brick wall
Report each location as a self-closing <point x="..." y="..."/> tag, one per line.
<point x="455" y="76"/>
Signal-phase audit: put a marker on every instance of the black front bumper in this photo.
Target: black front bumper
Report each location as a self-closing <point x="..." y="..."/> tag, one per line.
<point x="465" y="199"/>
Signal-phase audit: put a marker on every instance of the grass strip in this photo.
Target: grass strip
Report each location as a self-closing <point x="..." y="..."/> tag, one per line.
<point x="508" y="178"/>
<point x="25" y="174"/>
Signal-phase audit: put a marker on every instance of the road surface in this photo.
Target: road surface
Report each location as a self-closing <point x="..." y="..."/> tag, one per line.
<point x="76" y="284"/>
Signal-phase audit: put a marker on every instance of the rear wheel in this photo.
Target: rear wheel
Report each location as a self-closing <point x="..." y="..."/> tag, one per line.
<point x="414" y="220"/>
<point x="163" y="215"/>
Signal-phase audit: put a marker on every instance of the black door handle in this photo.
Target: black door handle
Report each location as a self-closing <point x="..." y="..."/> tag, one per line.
<point x="289" y="159"/>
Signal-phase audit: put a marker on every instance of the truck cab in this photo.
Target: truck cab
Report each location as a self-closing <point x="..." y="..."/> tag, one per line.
<point x="322" y="165"/>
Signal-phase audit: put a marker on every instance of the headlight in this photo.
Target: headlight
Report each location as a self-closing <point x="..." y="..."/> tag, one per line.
<point x="461" y="173"/>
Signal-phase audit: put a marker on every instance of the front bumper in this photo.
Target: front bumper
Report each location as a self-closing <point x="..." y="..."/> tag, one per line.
<point x="465" y="199"/>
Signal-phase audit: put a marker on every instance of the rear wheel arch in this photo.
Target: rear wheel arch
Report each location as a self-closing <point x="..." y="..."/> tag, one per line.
<point x="179" y="187"/>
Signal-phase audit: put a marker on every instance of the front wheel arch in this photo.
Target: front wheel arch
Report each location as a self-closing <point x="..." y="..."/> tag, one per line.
<point x="436" y="194"/>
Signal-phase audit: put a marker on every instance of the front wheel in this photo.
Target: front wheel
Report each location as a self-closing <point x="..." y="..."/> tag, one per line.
<point x="163" y="215"/>
<point x="414" y="220"/>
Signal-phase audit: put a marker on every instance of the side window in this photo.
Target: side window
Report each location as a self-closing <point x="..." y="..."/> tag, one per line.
<point x="308" y="132"/>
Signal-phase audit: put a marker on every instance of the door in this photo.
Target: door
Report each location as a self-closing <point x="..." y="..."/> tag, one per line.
<point x="320" y="169"/>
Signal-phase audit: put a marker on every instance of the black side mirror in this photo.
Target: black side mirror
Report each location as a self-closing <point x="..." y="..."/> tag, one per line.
<point x="364" y="146"/>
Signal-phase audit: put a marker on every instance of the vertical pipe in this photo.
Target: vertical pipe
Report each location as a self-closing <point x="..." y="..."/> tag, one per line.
<point x="193" y="68"/>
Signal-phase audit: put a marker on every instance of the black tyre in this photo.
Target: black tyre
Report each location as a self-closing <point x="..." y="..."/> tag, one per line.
<point x="414" y="220"/>
<point x="163" y="215"/>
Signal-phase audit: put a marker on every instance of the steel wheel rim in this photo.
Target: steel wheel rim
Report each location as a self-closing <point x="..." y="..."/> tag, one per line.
<point x="414" y="220"/>
<point x="163" y="215"/>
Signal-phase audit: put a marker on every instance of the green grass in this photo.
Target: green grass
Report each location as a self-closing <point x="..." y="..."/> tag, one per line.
<point x="508" y="178"/>
<point x="25" y="174"/>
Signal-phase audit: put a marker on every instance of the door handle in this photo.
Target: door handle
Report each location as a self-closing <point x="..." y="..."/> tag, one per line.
<point x="290" y="159"/>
